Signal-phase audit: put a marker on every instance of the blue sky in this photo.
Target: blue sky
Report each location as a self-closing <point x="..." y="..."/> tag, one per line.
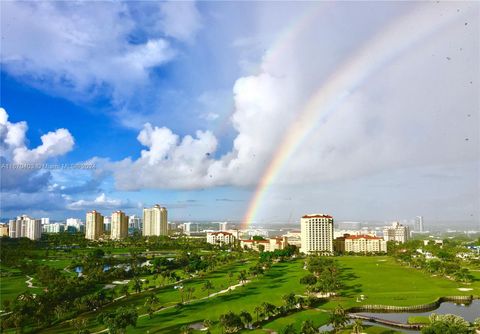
<point x="186" y="104"/>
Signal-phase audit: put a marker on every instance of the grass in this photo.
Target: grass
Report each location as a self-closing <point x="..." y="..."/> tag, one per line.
<point x="418" y="319"/>
<point x="380" y="279"/>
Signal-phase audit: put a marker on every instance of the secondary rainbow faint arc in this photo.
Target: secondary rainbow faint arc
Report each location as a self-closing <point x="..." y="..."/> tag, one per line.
<point x="351" y="74"/>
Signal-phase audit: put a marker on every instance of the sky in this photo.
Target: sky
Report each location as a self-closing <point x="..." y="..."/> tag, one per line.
<point x="248" y="111"/>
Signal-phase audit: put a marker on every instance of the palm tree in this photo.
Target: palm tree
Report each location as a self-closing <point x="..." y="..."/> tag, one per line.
<point x="289" y="329"/>
<point x="338" y="318"/>
<point x="268" y="309"/>
<point x="308" y="328"/>
<point x="207" y="286"/>
<point x="289" y="300"/>
<point x="246" y="318"/>
<point x="258" y="310"/>
<point x="242" y="277"/>
<point x="150" y="303"/>
<point x="357" y="326"/>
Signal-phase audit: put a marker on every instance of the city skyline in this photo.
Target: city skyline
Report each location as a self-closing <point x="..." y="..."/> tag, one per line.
<point x="250" y="112"/>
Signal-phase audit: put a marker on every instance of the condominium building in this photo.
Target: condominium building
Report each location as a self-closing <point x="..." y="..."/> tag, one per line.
<point x="155" y="221"/>
<point x="119" y="226"/>
<point x="74" y="225"/>
<point x="217" y="238"/>
<point x="45" y="221"/>
<point x="25" y="227"/>
<point x="53" y="228"/>
<point x="3" y="230"/>
<point x="107" y="224"/>
<point x="94" y="225"/>
<point x="396" y="232"/>
<point x="418" y="224"/>
<point x="317" y="234"/>
<point x="135" y="222"/>
<point x="360" y="244"/>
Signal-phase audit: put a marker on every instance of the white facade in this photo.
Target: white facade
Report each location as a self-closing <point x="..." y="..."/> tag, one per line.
<point x="396" y="232"/>
<point x="418" y="224"/>
<point x="135" y="222"/>
<point x="75" y="223"/>
<point x="94" y="225"/>
<point x="25" y="227"/>
<point x="45" y="221"/>
<point x="53" y="228"/>
<point x="222" y="226"/>
<point x="119" y="226"/>
<point x="361" y="244"/>
<point x="216" y="238"/>
<point x="155" y="221"/>
<point x="316" y="234"/>
<point x="268" y="245"/>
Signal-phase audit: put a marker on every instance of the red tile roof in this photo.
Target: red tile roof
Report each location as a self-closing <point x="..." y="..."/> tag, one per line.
<point x="217" y="233"/>
<point x="362" y="237"/>
<point x="317" y="216"/>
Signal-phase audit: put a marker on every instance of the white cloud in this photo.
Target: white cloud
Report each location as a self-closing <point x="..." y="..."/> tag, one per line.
<point x="14" y="150"/>
<point x="398" y="112"/>
<point x="80" y="49"/>
<point x="101" y="202"/>
<point x="181" y="20"/>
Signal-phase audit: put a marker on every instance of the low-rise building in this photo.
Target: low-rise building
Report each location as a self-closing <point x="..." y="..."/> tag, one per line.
<point x="266" y="245"/>
<point x="360" y="244"/>
<point x="217" y="238"/>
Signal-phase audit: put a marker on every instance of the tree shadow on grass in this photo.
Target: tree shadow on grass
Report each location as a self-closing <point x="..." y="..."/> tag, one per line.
<point x="349" y="289"/>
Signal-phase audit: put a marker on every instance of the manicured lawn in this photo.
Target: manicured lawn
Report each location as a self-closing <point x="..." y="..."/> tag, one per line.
<point x="168" y="296"/>
<point x="12" y="283"/>
<point x="383" y="281"/>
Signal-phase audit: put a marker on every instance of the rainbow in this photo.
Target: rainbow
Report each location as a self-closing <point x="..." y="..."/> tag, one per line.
<point x="398" y="37"/>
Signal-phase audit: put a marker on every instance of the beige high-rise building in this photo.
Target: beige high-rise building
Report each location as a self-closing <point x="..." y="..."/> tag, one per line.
<point x="25" y="227"/>
<point x="119" y="226"/>
<point x="94" y="225"/>
<point x="155" y="221"/>
<point x="3" y="230"/>
<point x="396" y="232"/>
<point x="360" y="244"/>
<point x="317" y="234"/>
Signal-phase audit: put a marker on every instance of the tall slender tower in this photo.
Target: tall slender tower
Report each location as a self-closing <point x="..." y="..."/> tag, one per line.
<point x="317" y="234"/>
<point x="155" y="221"/>
<point x="119" y="229"/>
<point x="94" y="225"/>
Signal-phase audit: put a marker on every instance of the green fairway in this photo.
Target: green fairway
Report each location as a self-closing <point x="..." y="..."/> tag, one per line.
<point x="383" y="281"/>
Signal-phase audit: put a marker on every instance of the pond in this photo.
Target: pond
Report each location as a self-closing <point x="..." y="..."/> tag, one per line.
<point x="467" y="311"/>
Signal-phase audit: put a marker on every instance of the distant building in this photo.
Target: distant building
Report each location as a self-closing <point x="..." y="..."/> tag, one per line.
<point x="135" y="222"/>
<point x="3" y="230"/>
<point x="119" y="226"/>
<point x="107" y="223"/>
<point x="94" y="225"/>
<point x="25" y="227"/>
<point x="155" y="221"/>
<point x="74" y="225"/>
<point x="396" y="232"/>
<point x="316" y="234"/>
<point x="433" y="242"/>
<point x="217" y="238"/>
<point x="294" y="238"/>
<point x="53" y="228"/>
<point x="222" y="226"/>
<point x="186" y="227"/>
<point x="267" y="245"/>
<point x="45" y="221"/>
<point x="360" y="244"/>
<point x="418" y="227"/>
